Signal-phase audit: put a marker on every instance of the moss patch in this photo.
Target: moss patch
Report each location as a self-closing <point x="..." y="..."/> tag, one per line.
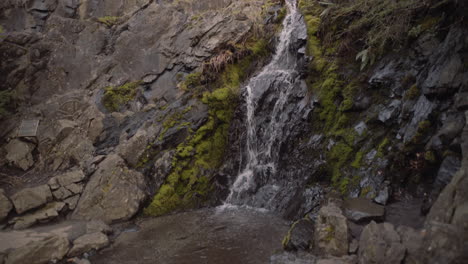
<point x="115" y="97"/>
<point x="110" y="20"/>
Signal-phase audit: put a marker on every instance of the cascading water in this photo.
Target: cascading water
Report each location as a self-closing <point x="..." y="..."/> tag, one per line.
<point x="267" y="99"/>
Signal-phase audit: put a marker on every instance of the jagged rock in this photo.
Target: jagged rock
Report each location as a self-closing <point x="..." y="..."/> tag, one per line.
<point x="31" y="198"/>
<point x="390" y="112"/>
<point x="113" y="192"/>
<point x="450" y="165"/>
<point x="72" y="202"/>
<point x="70" y="177"/>
<point x="61" y="193"/>
<point x="360" y="128"/>
<point x="380" y="243"/>
<point x="133" y="149"/>
<point x="331" y="231"/>
<point x="46" y="214"/>
<point x="383" y="195"/>
<point x="40" y="251"/>
<point x="162" y="168"/>
<point x="5" y="205"/>
<point x="361" y="209"/>
<point x="412" y="240"/>
<point x="300" y="236"/>
<point x="19" y="154"/>
<point x="64" y="128"/>
<point x="352" y="259"/>
<point x="88" y="242"/>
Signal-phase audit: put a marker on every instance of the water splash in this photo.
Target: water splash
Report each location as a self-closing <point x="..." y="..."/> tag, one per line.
<point x="276" y="81"/>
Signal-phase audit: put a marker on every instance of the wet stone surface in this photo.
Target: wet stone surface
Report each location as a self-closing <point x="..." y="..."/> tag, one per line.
<point x="204" y="236"/>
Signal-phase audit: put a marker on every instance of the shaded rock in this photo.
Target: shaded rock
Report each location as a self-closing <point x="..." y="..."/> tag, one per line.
<point x="292" y="258"/>
<point x="19" y="154"/>
<point x="30" y="198"/>
<point x="300" y="236"/>
<point x="380" y="243"/>
<point x="361" y="209"/>
<point x="461" y="101"/>
<point x="450" y="165"/>
<point x="39" y="252"/>
<point x="390" y="112"/>
<point x="162" y="167"/>
<point x="331" y="231"/>
<point x="113" y="192"/>
<point x="88" y="242"/>
<point x="48" y="213"/>
<point x="353" y="246"/>
<point x="133" y="149"/>
<point x="79" y="261"/>
<point x="383" y="195"/>
<point x="412" y="240"/>
<point x="352" y="259"/>
<point x="5" y="205"/>
<point x="98" y="226"/>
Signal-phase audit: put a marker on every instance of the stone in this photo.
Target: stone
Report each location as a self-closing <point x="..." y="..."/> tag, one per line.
<point x="390" y="112"/>
<point x="461" y="101"/>
<point x="353" y="246"/>
<point x="412" y="240"/>
<point x="31" y="198"/>
<point x="383" y="195"/>
<point x="300" y="236"/>
<point x="113" y="193"/>
<point x="61" y="193"/>
<point x="72" y="202"/>
<point x="360" y="128"/>
<point x="352" y="259"/>
<point x="19" y="154"/>
<point x="88" y="242"/>
<point x="380" y="243"/>
<point x="98" y="226"/>
<point x="5" y="205"/>
<point x="39" y="252"/>
<point x="450" y="165"/>
<point x="46" y="214"/>
<point x="79" y="261"/>
<point x="331" y="232"/>
<point x="64" y="128"/>
<point x="361" y="209"/>
<point x="75" y="188"/>
<point x="71" y="177"/>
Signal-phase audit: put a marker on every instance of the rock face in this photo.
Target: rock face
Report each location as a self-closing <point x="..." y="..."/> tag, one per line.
<point x="39" y="252"/>
<point x="49" y="212"/>
<point x="300" y="236"/>
<point x="31" y="198"/>
<point x="19" y="153"/>
<point x="331" y="231"/>
<point x="5" y="206"/>
<point x="113" y="193"/>
<point x="380" y="243"/>
<point x="88" y="242"/>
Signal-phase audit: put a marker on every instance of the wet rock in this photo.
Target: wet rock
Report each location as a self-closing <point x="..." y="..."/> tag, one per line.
<point x="352" y="259"/>
<point x="88" y="242"/>
<point x="39" y="252"/>
<point x="331" y="231"/>
<point x="31" y="198"/>
<point x="113" y="192"/>
<point x="450" y="165"/>
<point x="421" y="111"/>
<point x="46" y="214"/>
<point x="19" y="154"/>
<point x="361" y="209"/>
<point x="461" y="101"/>
<point x="380" y="243"/>
<point x="383" y="195"/>
<point x="5" y="205"/>
<point x="390" y="111"/>
<point x="360" y="128"/>
<point x="300" y="236"/>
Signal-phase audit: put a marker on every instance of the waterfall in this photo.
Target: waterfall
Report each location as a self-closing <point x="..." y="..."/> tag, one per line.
<point x="270" y="89"/>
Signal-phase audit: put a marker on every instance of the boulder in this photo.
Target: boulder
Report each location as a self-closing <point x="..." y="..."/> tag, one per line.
<point x="72" y="202"/>
<point x="113" y="192"/>
<point x="380" y="243"/>
<point x="412" y="240"/>
<point x="300" y="236"/>
<point x="5" y="205"/>
<point x="46" y="214"/>
<point x="352" y="259"/>
<point x="361" y="209"/>
<point x="31" y="198"/>
<point x="331" y="231"/>
<point x="19" y="154"/>
<point x="88" y="242"/>
<point x="39" y="252"/>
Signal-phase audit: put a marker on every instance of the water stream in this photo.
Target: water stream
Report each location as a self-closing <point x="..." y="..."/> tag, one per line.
<point x="272" y="87"/>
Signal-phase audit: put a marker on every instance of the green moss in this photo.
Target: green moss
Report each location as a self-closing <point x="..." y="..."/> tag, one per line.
<point x="110" y="20"/>
<point x="423" y="128"/>
<point x="382" y="148"/>
<point x="337" y="159"/>
<point x="430" y="156"/>
<point x="330" y="230"/>
<point x="192" y="82"/>
<point x="357" y="160"/>
<point x="116" y="97"/>
<point x="366" y="190"/>
<point x="412" y="93"/>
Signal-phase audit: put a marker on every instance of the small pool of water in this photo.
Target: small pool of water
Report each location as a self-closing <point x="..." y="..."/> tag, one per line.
<point x="216" y="235"/>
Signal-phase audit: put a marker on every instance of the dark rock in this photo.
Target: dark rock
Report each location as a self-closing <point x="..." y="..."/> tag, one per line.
<point x="380" y="243"/>
<point x="461" y="101"/>
<point x="361" y="209"/>
<point x="450" y="165"/>
<point x="391" y="111"/>
<point x="88" y="242"/>
<point x="300" y="236"/>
